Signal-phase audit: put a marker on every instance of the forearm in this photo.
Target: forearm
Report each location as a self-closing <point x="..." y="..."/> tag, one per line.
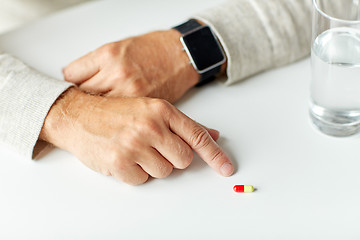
<point x="258" y="35"/>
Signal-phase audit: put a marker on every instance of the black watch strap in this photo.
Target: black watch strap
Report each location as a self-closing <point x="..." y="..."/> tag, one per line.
<point x="210" y="75"/>
<point x="187" y="26"/>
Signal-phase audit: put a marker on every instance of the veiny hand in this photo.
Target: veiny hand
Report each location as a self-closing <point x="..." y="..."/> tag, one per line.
<point x="130" y="138"/>
<point x="150" y="65"/>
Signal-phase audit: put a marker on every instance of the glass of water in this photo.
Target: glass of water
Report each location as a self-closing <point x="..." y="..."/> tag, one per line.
<point x="335" y="60"/>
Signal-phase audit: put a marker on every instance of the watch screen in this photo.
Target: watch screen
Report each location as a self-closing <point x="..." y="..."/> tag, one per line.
<point x="204" y="49"/>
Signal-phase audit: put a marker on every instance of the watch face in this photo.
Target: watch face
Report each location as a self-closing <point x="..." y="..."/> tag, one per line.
<point x="203" y="48"/>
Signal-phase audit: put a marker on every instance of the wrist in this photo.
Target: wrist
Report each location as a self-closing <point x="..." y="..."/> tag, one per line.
<point x="203" y="49"/>
<point x="192" y="77"/>
<point x="60" y="124"/>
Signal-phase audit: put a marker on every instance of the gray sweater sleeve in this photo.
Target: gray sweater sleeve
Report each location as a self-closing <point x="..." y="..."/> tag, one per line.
<point x="25" y="99"/>
<point x="260" y="34"/>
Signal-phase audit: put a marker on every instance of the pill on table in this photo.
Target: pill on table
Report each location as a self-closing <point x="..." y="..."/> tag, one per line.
<point x="243" y="188"/>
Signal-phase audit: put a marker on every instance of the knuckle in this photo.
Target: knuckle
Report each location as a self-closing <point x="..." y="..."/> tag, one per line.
<point x="119" y="166"/>
<point x="186" y="159"/>
<point x="116" y="160"/>
<point x="136" y="88"/>
<point x="199" y="138"/>
<point x="152" y="126"/>
<point x="109" y="50"/>
<point x="217" y="156"/>
<point x="133" y="142"/>
<point x="121" y="70"/>
<point x="164" y="171"/>
<point x="134" y="136"/>
<point x="134" y="180"/>
<point x="147" y="128"/>
<point x="161" y="106"/>
<point x="137" y="180"/>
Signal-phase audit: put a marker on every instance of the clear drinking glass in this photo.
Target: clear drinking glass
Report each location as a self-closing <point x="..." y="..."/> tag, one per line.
<point x="335" y="60"/>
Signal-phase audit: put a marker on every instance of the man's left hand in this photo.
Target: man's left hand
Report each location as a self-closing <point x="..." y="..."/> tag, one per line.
<point x="150" y="65"/>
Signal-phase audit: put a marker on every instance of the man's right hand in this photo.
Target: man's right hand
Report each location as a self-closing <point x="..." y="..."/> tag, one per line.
<point x="130" y="138"/>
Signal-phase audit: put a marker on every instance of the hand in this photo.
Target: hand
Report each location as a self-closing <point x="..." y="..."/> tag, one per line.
<point x="130" y="138"/>
<point x="150" y="65"/>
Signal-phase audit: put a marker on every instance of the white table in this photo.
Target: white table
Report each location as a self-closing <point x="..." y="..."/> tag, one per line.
<point x="308" y="183"/>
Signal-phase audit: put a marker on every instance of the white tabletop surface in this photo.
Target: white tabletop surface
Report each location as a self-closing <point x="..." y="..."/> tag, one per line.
<point x="308" y="184"/>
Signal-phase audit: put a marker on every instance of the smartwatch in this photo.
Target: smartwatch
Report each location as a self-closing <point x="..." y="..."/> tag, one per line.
<point x="203" y="48"/>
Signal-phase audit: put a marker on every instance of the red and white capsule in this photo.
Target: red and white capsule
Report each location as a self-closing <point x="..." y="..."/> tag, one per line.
<point x="243" y="188"/>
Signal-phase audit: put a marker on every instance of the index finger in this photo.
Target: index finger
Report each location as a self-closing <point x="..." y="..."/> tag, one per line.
<point x="202" y="143"/>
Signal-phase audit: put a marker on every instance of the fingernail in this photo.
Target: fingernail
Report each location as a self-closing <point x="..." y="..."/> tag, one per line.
<point x="217" y="132"/>
<point x="227" y="169"/>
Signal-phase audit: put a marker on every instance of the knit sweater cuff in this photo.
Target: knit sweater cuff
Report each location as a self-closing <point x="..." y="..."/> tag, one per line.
<point x="26" y="96"/>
